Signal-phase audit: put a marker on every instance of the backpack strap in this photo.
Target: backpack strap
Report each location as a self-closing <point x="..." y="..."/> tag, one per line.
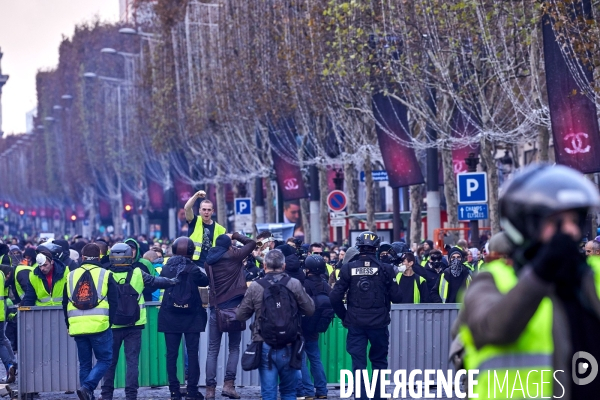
<point x="129" y="275"/>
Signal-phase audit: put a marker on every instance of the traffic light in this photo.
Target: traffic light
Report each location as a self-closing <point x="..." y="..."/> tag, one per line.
<point x="73" y="217"/>
<point x="128" y="208"/>
<point x="22" y="212"/>
<point x="128" y="213"/>
<point x="6" y="205"/>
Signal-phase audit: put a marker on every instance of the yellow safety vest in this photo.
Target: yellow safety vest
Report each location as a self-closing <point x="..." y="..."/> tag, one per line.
<point x="198" y="234"/>
<point x="424" y="261"/>
<point x="519" y="363"/>
<point x="416" y="292"/>
<point x="30" y="268"/>
<point x="43" y="298"/>
<point x="443" y="289"/>
<point x="95" y="320"/>
<point x="137" y="282"/>
<point x="2" y="298"/>
<point x="329" y="268"/>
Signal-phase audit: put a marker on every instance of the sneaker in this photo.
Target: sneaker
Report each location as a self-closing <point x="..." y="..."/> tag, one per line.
<point x="84" y="394"/>
<point x="11" y="372"/>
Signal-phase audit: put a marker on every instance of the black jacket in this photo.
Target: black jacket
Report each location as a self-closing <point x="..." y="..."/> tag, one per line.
<point x="455" y="285"/>
<point x="315" y="284"/>
<point x="105" y="261"/>
<point x="70" y="263"/>
<point x="195" y="322"/>
<point x="30" y="296"/>
<point x="384" y="291"/>
<point x="112" y="297"/>
<point x="293" y="268"/>
<point x="429" y="273"/>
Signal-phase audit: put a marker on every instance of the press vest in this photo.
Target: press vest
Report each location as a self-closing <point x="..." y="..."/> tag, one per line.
<point x="95" y="320"/>
<point x="137" y="282"/>
<point x="416" y="291"/>
<point x="30" y="268"/>
<point x="43" y="298"/>
<point x="523" y="359"/>
<point x="443" y="289"/>
<point x="198" y="234"/>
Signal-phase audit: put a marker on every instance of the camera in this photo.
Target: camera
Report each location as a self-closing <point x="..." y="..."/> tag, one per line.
<point x="300" y="251"/>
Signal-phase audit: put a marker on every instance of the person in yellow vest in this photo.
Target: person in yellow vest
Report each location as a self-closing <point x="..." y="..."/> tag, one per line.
<point x="203" y="231"/>
<point x="89" y="304"/>
<point x="427" y="248"/>
<point x="538" y="319"/>
<point x="47" y="280"/>
<point x="22" y="272"/>
<point x="412" y="286"/>
<point x="453" y="281"/>
<point x="129" y="319"/>
<point x="6" y="352"/>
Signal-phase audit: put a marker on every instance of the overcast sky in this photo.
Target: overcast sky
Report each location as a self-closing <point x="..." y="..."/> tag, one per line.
<point x="30" y="33"/>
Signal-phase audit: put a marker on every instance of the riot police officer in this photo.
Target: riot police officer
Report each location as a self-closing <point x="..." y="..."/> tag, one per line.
<point x="370" y="287"/>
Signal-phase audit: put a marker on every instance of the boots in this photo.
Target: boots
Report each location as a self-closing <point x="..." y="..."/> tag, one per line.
<point x="175" y="395"/>
<point x="210" y="393"/>
<point x="229" y="390"/>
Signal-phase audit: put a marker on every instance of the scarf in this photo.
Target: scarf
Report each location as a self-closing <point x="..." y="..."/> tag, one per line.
<point x="456" y="267"/>
<point x="177" y="264"/>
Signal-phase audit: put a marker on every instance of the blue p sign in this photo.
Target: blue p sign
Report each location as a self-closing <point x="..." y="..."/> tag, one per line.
<point x="243" y="206"/>
<point x="472" y="187"/>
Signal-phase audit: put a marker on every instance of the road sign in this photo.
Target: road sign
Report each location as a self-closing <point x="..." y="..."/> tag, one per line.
<point x="336" y="200"/>
<point x="337" y="222"/>
<point x="243" y="222"/>
<point x="472" y="187"/>
<point x="337" y="215"/>
<point x="243" y="206"/>
<point x="378" y="176"/>
<point x="468" y="212"/>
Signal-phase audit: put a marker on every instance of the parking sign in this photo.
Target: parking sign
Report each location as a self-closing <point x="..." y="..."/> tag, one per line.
<point x="472" y="187"/>
<point x="243" y="206"/>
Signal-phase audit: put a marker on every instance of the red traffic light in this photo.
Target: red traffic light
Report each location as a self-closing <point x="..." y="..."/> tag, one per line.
<point x="33" y="213"/>
<point x="6" y="205"/>
<point x="21" y="212"/>
<point x="73" y="217"/>
<point x="128" y="207"/>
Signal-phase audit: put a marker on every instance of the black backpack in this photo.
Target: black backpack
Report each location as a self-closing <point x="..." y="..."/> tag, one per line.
<point x="280" y="317"/>
<point x="179" y="298"/>
<point x="128" y="310"/>
<point x="319" y="322"/>
<point x="85" y="295"/>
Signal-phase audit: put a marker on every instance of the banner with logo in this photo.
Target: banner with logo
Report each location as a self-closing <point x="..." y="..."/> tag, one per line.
<point x="183" y="191"/>
<point x="462" y="126"/>
<point x="400" y="160"/>
<point x="573" y="115"/>
<point x="156" y="196"/>
<point x="284" y="152"/>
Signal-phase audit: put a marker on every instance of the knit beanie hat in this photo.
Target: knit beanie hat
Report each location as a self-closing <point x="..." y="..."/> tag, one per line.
<point x="91" y="251"/>
<point x="223" y="241"/>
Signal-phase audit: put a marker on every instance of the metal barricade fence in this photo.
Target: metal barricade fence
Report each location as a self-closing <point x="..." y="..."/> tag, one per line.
<point x="47" y="356"/>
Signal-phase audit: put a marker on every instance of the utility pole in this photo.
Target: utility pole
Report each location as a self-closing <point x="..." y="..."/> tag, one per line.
<point x="338" y="181"/>
<point x="434" y="220"/>
<point x="472" y="161"/>
<point x="315" y="205"/>
<point x="259" y="199"/>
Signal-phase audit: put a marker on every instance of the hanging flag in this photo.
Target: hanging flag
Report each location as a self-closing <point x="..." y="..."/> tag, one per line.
<point x="462" y="126"/>
<point x="156" y="195"/>
<point x="284" y="152"/>
<point x="400" y="160"/>
<point x="572" y="113"/>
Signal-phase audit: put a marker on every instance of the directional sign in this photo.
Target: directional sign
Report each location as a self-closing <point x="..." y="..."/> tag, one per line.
<point x="337" y="215"/>
<point x="337" y="222"/>
<point x="243" y="206"/>
<point x="472" y="187"/>
<point x="378" y="176"/>
<point x="337" y="200"/>
<point x="243" y="223"/>
<point x="468" y="212"/>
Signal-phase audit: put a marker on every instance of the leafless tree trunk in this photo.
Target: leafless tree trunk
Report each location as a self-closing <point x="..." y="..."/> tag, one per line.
<point x="370" y="200"/>
<point x="221" y="203"/>
<point x="324" y="210"/>
<point x="305" y="213"/>
<point x="450" y="188"/>
<point x="544" y="143"/>
<point x="270" y="210"/>
<point x="416" y="205"/>
<point x="487" y="158"/>
<point x="352" y="191"/>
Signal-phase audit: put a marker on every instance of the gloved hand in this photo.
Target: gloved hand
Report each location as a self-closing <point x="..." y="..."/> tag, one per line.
<point x="559" y="257"/>
<point x="174" y="281"/>
<point x="12" y="316"/>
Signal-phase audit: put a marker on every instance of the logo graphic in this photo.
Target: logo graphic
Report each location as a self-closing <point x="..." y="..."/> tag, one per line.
<point x="290" y="184"/>
<point x="459" y="166"/>
<point x="578" y="141"/>
<point x="579" y="367"/>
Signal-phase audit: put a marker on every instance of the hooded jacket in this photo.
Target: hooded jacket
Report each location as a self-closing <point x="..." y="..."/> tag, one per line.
<point x="195" y="322"/>
<point x="228" y="271"/>
<point x="143" y="264"/>
<point x="293" y="267"/>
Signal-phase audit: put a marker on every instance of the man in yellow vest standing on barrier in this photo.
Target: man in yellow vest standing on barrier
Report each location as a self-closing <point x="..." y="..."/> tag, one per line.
<point x="203" y="231"/>
<point x="89" y="303"/>
<point x="534" y="324"/>
<point x="47" y="280"/>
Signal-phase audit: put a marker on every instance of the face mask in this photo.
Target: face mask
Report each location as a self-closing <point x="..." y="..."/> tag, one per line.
<point x="401" y="268"/>
<point x="455" y="267"/>
<point x="264" y="252"/>
<point x="386" y="259"/>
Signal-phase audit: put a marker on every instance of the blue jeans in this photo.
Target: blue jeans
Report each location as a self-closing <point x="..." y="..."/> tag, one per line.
<point x="6" y="352"/>
<point x="311" y="350"/>
<point x="280" y="369"/>
<point x="98" y="345"/>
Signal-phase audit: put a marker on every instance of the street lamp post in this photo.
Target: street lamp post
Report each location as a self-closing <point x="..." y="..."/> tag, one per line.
<point x="338" y="181"/>
<point x="472" y="161"/>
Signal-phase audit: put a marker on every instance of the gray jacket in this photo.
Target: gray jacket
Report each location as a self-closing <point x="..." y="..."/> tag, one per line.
<point x="496" y="318"/>
<point x="252" y="302"/>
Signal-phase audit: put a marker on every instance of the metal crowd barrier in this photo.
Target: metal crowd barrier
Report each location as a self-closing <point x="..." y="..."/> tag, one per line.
<point x="47" y="355"/>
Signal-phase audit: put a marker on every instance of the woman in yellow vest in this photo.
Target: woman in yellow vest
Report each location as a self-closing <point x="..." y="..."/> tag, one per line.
<point x="89" y="306"/>
<point x="47" y="280"/>
<point x="533" y="320"/>
<point x="413" y="287"/>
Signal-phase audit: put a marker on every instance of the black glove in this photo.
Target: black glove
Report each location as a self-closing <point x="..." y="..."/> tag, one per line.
<point x="558" y="258"/>
<point x="174" y="281"/>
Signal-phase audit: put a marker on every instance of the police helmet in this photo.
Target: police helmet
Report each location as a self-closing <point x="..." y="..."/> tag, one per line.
<point x="121" y="255"/>
<point x="51" y="247"/>
<point x="315" y="264"/>
<point x="538" y="192"/>
<point x="183" y="246"/>
<point x="368" y="242"/>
